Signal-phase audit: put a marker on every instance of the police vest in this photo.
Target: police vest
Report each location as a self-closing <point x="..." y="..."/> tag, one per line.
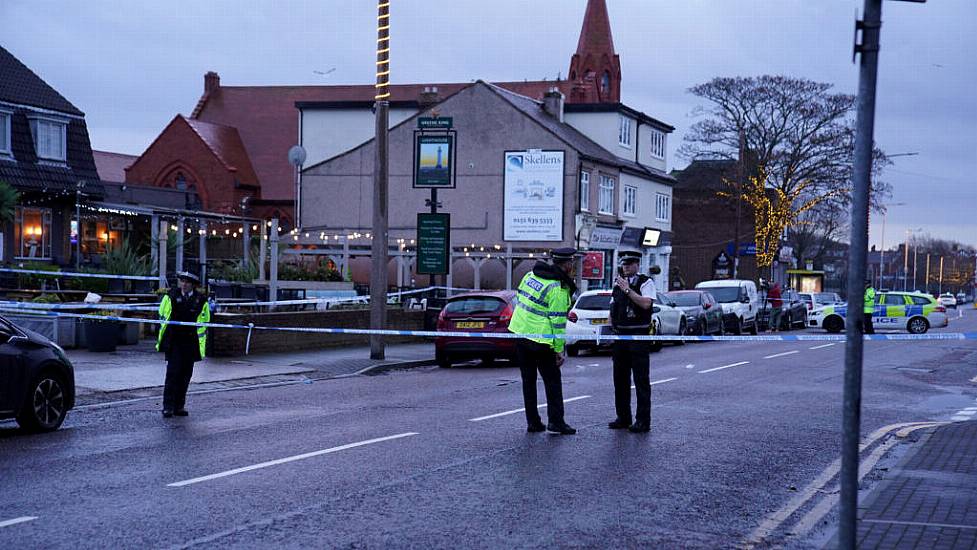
<point x="625" y="314"/>
<point x="166" y="314"/>
<point x="869" y="306"/>
<point x="541" y="308"/>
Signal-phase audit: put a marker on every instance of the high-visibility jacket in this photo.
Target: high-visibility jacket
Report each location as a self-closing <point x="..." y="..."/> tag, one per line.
<point x="541" y="308"/>
<point x="869" y="306"/>
<point x="166" y="312"/>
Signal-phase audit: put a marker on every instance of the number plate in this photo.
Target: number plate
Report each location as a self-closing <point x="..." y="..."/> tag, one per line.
<point x="470" y="324"/>
<point x="598" y="321"/>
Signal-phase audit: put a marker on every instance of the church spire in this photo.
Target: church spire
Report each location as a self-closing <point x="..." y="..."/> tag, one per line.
<point x="595" y="70"/>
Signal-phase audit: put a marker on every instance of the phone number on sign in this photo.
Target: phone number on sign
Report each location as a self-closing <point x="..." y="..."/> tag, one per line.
<point x="534" y="221"/>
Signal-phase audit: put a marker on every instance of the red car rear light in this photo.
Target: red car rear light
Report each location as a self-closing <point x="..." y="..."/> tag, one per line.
<point x="442" y="323"/>
<point x="941" y="309"/>
<point x="572" y="317"/>
<point x="506" y="314"/>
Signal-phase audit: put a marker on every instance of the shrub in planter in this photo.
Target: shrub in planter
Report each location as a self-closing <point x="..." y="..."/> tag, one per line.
<point x="102" y="335"/>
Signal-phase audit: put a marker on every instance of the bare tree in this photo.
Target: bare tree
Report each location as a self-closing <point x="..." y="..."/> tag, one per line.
<point x="799" y="140"/>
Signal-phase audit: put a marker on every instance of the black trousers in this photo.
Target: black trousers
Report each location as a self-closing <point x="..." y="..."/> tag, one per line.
<point x="631" y="359"/>
<point x="179" y="370"/>
<point x="867" y="327"/>
<point x="534" y="357"/>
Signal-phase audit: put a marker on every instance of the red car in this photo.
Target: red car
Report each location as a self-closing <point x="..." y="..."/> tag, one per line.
<point x="488" y="311"/>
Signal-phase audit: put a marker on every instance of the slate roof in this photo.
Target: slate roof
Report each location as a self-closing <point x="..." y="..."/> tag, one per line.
<point x="112" y="166"/>
<point x="20" y="85"/>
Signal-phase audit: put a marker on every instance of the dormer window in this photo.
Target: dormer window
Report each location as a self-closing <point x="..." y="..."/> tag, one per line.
<point x="5" y="148"/>
<point x="49" y="138"/>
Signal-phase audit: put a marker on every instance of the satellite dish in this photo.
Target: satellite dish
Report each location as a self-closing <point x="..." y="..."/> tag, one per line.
<point x="296" y="155"/>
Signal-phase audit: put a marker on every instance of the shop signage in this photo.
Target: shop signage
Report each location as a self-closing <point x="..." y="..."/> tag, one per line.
<point x="593" y="265"/>
<point x="434" y="160"/>
<point x="533" y="196"/>
<point x="607" y="238"/>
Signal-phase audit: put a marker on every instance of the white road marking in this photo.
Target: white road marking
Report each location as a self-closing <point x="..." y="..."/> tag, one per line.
<point x="689" y="366"/>
<point x="823" y="346"/>
<point x="971" y="409"/>
<point x="15" y="521"/>
<point x="919" y="523"/>
<point x="724" y="367"/>
<point x="958" y="418"/>
<point x="514" y="411"/>
<point x="660" y="381"/>
<point x="288" y="459"/>
<point x="781" y="354"/>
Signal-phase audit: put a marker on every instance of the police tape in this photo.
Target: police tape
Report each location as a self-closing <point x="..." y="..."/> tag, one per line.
<point x="71" y="274"/>
<point x="574" y="338"/>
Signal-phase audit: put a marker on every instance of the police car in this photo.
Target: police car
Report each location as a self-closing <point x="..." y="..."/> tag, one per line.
<point x="916" y="312"/>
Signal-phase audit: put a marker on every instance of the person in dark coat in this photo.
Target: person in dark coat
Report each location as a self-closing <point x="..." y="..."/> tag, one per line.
<point x="183" y="345"/>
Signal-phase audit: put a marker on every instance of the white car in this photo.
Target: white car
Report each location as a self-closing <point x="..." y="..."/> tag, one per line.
<point x="948" y="300"/>
<point x="912" y="311"/>
<point x="739" y="300"/>
<point x="590" y="316"/>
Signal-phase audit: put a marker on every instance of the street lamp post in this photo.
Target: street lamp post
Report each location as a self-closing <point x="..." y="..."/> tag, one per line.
<point x="882" y="244"/>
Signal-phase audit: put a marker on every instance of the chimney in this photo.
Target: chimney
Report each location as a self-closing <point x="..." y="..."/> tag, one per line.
<point x="212" y="81"/>
<point x="429" y="96"/>
<point x="553" y="103"/>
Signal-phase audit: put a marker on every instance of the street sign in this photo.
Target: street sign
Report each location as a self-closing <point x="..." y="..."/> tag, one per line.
<point x="433" y="239"/>
<point x="434" y="160"/>
<point x="432" y="123"/>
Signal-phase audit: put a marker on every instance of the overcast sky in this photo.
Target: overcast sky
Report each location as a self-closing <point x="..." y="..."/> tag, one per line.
<point x="131" y="65"/>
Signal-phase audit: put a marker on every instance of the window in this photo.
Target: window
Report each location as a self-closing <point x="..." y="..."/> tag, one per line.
<point x="585" y="191"/>
<point x="32" y="232"/>
<point x="624" y="131"/>
<point x="4" y="133"/>
<point x="894" y="300"/>
<point x="663" y="207"/>
<point x="658" y="144"/>
<point x="605" y="200"/>
<point x="49" y="139"/>
<point x="630" y="200"/>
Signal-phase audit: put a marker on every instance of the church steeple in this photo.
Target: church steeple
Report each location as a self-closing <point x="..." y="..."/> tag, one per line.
<point x="595" y="70"/>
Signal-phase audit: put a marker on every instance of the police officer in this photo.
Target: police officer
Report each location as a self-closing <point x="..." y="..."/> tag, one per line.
<point x="184" y="345"/>
<point x="631" y="311"/>
<point x="868" y="308"/>
<point x="542" y="303"/>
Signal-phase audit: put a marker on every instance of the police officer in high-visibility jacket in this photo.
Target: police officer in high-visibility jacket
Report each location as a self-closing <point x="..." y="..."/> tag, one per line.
<point x="184" y="345"/>
<point x="868" y="308"/>
<point x="542" y="303"/>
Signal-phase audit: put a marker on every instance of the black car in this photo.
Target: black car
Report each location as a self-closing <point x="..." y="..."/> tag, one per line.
<point x="794" y="311"/>
<point x="704" y="314"/>
<point x="37" y="382"/>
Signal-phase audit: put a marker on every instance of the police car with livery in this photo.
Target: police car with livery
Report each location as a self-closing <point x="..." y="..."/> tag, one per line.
<point x="913" y="311"/>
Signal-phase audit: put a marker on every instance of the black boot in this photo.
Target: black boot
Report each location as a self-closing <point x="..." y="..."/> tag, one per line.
<point x="619" y="424"/>
<point x="561" y="428"/>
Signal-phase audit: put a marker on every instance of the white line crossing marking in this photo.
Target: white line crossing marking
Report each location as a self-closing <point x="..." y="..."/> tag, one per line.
<point x="724" y="367"/>
<point x="957" y="418"/>
<point x="781" y="354"/>
<point x="971" y="409"/>
<point x="15" y="521"/>
<point x="660" y="381"/>
<point x="288" y="459"/>
<point x="514" y="411"/>
<point x="823" y="346"/>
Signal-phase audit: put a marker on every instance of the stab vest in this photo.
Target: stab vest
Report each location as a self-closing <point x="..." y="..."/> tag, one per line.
<point x="625" y="314"/>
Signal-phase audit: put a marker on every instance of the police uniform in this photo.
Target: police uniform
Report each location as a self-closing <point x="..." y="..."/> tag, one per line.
<point x="631" y="356"/>
<point x="184" y="345"/>
<point x="868" y="308"/>
<point x="542" y="302"/>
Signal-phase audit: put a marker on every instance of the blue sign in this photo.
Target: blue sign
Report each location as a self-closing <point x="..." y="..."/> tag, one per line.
<point x="746" y="249"/>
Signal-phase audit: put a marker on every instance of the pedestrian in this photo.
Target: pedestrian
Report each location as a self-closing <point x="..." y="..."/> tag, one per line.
<point x="776" y="307"/>
<point x="631" y="311"/>
<point x="868" y="308"/>
<point x="542" y="303"/>
<point x="184" y="345"/>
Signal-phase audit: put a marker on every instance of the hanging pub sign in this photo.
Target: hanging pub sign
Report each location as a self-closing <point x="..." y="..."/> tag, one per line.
<point x="722" y="266"/>
<point x="434" y="160"/>
<point x="593" y="265"/>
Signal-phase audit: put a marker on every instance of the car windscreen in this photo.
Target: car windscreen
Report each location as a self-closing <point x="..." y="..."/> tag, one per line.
<point x="828" y="297"/>
<point x="475" y="305"/>
<point x="594" y="302"/>
<point x="725" y="294"/>
<point x="684" y="298"/>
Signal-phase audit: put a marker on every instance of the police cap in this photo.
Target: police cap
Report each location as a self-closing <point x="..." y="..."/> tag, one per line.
<point x="628" y="256"/>
<point x="188" y="276"/>
<point x="563" y="254"/>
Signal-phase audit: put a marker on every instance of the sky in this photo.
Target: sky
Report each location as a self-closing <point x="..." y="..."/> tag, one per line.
<point x="132" y="65"/>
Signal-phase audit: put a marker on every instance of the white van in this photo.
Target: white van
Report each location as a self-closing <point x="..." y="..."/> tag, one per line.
<point x="739" y="301"/>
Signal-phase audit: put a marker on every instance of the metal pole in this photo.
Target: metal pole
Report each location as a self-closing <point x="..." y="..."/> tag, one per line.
<point x="378" y="276"/>
<point x="78" y="227"/>
<point x="508" y="266"/>
<point x="915" y="265"/>
<point x="854" y="345"/>
<point x="905" y="267"/>
<point x="927" y="273"/>
<point x="246" y="239"/>
<point x="273" y="263"/>
<point x="882" y="256"/>
<point x="163" y="229"/>
<point x="940" y="292"/>
<point x="262" y="250"/>
<point x="202" y="257"/>
<point x="179" y="243"/>
<point x="154" y="238"/>
<point x="434" y="210"/>
<point x="739" y="199"/>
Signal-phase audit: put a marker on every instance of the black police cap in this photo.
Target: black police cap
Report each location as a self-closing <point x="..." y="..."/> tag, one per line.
<point x="563" y="254"/>
<point x="628" y="256"/>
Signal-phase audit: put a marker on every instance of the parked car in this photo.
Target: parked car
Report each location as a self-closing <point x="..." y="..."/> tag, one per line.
<point x="793" y="307"/>
<point x="702" y="312"/>
<point x="37" y="381"/>
<point x="914" y="311"/>
<point x="961" y="298"/>
<point x="815" y="300"/>
<point x="475" y="312"/>
<point x="590" y="316"/>
<point x="739" y="300"/>
<point x="948" y="300"/>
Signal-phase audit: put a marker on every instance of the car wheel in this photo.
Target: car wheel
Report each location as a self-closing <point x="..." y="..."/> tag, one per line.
<point x="573" y="351"/>
<point x="834" y="324"/>
<point x="753" y="328"/>
<point x="656" y="345"/>
<point x="442" y="360"/>
<point x="918" y="325"/>
<point x="790" y="322"/>
<point x="703" y="328"/>
<point x="682" y="331"/>
<point x="722" y="327"/>
<point x="737" y="328"/>
<point x="47" y="404"/>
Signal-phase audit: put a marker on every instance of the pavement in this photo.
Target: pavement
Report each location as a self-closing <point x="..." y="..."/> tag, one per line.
<point x="138" y="370"/>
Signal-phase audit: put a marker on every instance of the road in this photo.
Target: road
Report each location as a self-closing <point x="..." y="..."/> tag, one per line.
<point x="440" y="457"/>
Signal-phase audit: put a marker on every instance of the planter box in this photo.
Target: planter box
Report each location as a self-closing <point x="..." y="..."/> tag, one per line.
<point x="102" y="336"/>
<point x="60" y="330"/>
